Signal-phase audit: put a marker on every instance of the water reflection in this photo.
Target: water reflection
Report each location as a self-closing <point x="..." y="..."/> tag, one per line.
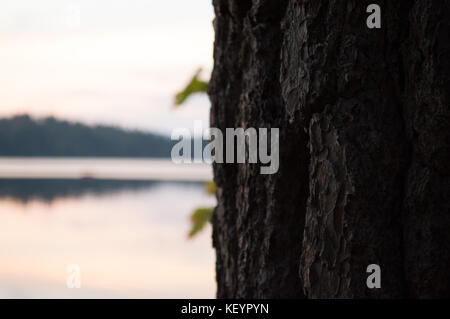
<point x="24" y="190"/>
<point x="128" y="237"/>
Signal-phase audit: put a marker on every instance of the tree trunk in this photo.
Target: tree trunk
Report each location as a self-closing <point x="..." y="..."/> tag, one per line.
<point x="364" y="148"/>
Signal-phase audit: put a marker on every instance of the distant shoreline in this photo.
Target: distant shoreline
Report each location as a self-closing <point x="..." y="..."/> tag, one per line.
<point x="23" y="136"/>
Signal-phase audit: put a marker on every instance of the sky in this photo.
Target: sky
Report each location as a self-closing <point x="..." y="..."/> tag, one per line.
<point x="105" y="61"/>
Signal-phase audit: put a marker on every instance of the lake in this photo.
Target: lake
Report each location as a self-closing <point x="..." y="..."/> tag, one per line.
<point x="126" y="231"/>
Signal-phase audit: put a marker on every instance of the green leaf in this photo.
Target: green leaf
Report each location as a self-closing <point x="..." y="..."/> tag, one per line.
<point x="210" y="188"/>
<point x="199" y="218"/>
<point x="194" y="86"/>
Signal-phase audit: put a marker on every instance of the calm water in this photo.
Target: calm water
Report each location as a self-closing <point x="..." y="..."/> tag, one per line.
<point x="104" y="168"/>
<point x="127" y="236"/>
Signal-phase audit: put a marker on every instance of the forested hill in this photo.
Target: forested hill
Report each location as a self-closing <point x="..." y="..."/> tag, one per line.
<point x="25" y="136"/>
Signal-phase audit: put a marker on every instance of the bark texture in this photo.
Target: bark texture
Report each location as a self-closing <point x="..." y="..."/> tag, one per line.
<point x="364" y="148"/>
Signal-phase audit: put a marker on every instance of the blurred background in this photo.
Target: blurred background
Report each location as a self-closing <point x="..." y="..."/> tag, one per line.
<point x="86" y="110"/>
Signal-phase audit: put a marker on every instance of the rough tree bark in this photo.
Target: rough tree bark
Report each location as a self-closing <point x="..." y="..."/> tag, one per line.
<point x="364" y="148"/>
